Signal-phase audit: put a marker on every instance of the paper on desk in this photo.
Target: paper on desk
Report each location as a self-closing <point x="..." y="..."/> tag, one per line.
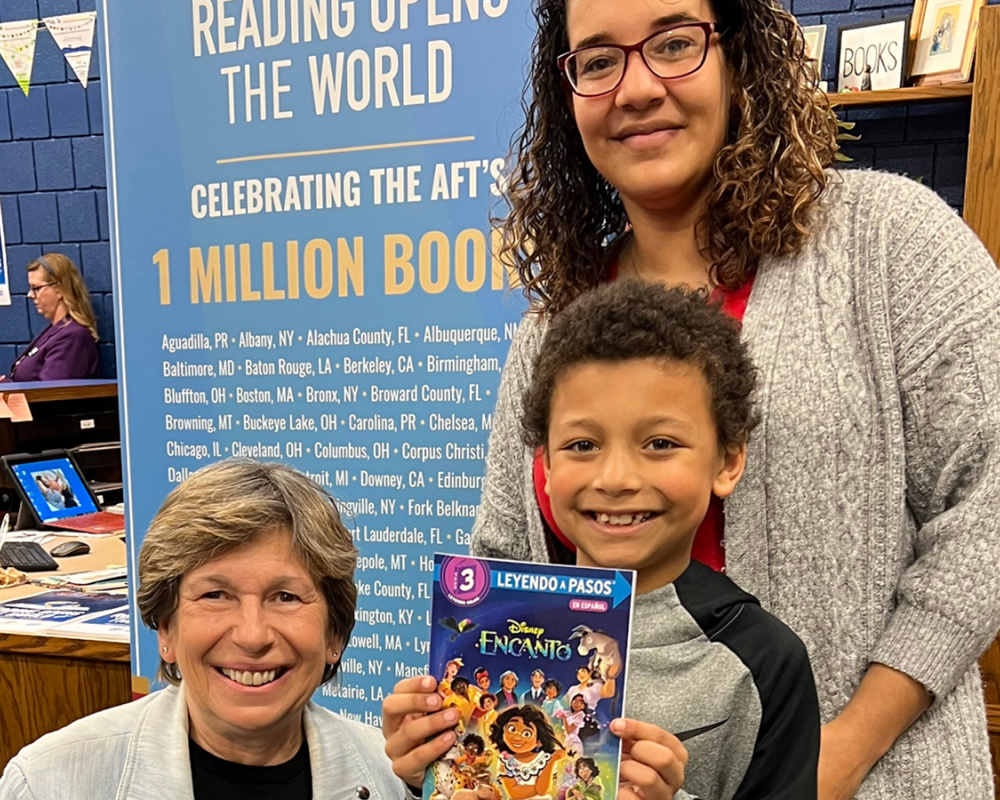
<point x="95" y="576"/>
<point x="41" y="537"/>
<point x="112" y="626"/>
<point x="18" y="405"/>
<point x="112" y="578"/>
<point x="5" y="412"/>
<point x="40" y="611"/>
<point x="85" y="535"/>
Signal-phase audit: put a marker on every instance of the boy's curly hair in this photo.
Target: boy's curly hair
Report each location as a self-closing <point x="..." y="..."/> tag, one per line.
<point x="766" y="179"/>
<point x="629" y="320"/>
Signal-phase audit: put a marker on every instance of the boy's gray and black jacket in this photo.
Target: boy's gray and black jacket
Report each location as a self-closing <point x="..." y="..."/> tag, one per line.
<point x="708" y="664"/>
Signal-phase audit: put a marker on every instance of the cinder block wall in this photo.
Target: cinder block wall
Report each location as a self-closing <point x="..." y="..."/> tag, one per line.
<point x="52" y="180"/>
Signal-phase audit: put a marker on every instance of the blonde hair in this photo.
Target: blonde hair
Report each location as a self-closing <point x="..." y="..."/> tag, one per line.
<point x="63" y="272"/>
<point x="228" y="505"/>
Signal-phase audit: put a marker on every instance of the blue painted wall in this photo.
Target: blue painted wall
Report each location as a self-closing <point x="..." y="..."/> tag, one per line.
<point x="52" y="180"/>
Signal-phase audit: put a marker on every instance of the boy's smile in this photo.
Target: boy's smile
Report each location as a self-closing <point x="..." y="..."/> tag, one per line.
<point x="631" y="463"/>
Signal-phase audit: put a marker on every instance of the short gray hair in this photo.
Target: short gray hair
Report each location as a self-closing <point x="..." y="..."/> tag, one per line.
<point x="229" y="504"/>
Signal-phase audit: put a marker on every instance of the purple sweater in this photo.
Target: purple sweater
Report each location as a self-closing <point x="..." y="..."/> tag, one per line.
<point x="64" y="351"/>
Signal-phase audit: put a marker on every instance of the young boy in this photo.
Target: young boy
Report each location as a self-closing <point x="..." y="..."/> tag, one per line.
<point x="641" y="404"/>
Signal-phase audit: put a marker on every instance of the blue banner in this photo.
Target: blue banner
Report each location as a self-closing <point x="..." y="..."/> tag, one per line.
<point x="4" y="281"/>
<point x="305" y="269"/>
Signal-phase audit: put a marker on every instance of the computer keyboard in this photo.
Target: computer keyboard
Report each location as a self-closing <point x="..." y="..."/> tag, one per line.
<point x="27" y="557"/>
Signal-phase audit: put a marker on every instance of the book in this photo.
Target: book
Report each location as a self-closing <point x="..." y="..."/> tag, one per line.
<point x="38" y="613"/>
<point x="109" y="626"/>
<point x="534" y="657"/>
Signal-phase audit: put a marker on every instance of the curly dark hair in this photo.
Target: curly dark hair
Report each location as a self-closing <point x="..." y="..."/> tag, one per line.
<point x="766" y="179"/>
<point x="530" y="715"/>
<point x="474" y="739"/>
<point x="594" y="769"/>
<point x="629" y="320"/>
<point x="552" y="683"/>
<point x="490" y="695"/>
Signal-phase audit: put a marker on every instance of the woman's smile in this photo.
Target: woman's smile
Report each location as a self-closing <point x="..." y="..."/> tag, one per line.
<point x="252" y="678"/>
<point x="647" y="136"/>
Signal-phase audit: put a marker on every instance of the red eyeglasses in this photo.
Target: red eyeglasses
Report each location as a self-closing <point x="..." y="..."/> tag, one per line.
<point x="673" y="52"/>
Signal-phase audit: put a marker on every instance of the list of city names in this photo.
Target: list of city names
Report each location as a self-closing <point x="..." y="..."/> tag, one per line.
<point x="392" y="421"/>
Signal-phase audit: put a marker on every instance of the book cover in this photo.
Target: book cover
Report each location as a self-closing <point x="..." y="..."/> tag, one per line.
<point x="534" y="657"/>
<point x="40" y="612"/>
<point x="110" y="626"/>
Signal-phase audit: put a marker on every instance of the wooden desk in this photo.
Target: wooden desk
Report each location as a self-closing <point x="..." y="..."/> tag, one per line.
<point x="46" y="682"/>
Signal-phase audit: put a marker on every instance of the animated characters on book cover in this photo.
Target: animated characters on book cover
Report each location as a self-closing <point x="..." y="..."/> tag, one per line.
<point x="450" y="671"/>
<point x="526" y="631"/>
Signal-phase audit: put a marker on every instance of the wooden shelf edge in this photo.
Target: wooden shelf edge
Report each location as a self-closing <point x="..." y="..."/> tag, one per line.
<point x="45" y="394"/>
<point x="908" y="94"/>
<point x="89" y="649"/>
<point x="993" y="718"/>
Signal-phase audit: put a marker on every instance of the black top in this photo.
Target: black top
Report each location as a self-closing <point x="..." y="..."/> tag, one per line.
<point x="214" y="777"/>
<point x="786" y="750"/>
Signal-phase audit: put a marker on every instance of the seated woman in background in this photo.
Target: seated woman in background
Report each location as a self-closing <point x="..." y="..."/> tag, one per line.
<point x="67" y="348"/>
<point x="247" y="576"/>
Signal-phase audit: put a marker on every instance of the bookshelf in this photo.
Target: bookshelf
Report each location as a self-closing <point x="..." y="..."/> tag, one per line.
<point x="907" y="94"/>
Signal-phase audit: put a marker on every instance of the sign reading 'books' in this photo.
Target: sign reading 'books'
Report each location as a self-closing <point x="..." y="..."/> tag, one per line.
<point x="533" y="657"/>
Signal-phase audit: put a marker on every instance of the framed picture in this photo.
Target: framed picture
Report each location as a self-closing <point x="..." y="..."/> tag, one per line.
<point x="815" y="43"/>
<point x="872" y="55"/>
<point x="943" y="40"/>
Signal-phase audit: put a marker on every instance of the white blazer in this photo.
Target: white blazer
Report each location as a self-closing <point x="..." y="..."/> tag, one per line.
<point x="139" y="751"/>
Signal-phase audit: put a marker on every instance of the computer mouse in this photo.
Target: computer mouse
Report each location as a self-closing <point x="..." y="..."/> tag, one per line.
<point x="67" y="549"/>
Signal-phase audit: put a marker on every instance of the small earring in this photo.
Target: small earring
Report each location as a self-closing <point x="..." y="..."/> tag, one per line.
<point x="165" y="648"/>
<point x="336" y="654"/>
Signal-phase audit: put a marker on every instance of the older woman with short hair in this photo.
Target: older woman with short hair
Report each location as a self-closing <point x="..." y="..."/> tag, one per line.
<point x="247" y="576"/>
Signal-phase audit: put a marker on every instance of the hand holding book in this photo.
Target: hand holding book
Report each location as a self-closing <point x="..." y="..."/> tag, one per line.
<point x="528" y="665"/>
<point x="653" y="761"/>
<point x="417" y="732"/>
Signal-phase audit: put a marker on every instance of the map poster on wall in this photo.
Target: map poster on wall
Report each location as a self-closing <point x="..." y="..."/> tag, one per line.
<point x="300" y="201"/>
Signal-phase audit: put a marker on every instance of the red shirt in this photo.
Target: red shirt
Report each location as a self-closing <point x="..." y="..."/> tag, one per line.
<point x="707" y="547"/>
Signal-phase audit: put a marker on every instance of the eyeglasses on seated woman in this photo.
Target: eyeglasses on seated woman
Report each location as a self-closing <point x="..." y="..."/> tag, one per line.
<point x="67" y="348"/>
<point x="247" y="575"/>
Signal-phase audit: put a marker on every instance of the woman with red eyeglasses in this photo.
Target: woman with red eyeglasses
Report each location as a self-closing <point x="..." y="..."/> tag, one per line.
<point x="684" y="142"/>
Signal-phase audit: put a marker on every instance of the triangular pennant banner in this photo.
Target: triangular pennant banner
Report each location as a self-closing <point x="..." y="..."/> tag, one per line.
<point x="74" y="34"/>
<point x="17" y="46"/>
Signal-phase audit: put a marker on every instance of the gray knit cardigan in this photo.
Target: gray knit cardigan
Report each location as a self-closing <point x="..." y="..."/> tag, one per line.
<point x="868" y="519"/>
